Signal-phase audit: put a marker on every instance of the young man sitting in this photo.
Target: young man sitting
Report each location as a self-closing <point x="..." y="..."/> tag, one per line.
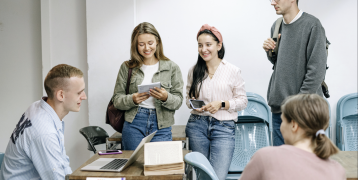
<point x="36" y="147"/>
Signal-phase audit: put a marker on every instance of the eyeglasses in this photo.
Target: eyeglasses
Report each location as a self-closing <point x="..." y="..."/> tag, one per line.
<point x="274" y="0"/>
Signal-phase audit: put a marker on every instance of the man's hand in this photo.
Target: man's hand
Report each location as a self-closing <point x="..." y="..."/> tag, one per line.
<point x="212" y="107"/>
<point x="140" y="97"/>
<point x="270" y="43"/>
<point x="160" y="94"/>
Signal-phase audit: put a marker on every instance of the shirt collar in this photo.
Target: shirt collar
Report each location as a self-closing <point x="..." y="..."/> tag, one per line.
<point x="224" y="61"/>
<point x="52" y="113"/>
<point x="295" y="19"/>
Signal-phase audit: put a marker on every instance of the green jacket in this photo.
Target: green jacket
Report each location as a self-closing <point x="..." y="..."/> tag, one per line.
<point x="169" y="75"/>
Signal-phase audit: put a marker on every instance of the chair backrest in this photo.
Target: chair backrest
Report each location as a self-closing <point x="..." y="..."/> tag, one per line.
<point x="347" y="117"/>
<point x="257" y="108"/>
<point x="94" y="135"/>
<point x="252" y="132"/>
<point x="1" y="158"/>
<point x="201" y="165"/>
<point x="249" y="137"/>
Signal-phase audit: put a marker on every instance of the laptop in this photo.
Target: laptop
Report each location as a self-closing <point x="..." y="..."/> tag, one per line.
<point x="116" y="164"/>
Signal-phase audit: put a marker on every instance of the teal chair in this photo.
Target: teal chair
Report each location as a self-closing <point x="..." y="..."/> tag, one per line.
<point x="253" y="131"/>
<point x="1" y="158"/>
<point x="347" y="122"/>
<point x="201" y="165"/>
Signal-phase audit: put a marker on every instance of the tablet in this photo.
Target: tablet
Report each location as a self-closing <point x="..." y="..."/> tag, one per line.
<point x="146" y="87"/>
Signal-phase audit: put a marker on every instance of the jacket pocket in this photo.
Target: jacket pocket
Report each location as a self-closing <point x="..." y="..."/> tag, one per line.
<point x="166" y="85"/>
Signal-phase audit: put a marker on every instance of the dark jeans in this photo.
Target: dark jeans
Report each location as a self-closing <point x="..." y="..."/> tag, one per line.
<point x="276" y="134"/>
<point x="144" y="123"/>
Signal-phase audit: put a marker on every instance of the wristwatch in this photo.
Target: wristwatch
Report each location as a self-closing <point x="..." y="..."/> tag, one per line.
<point x="222" y="104"/>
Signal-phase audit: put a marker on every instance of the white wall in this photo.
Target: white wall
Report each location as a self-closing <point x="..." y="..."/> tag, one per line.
<point x="34" y="37"/>
<point x="108" y="39"/>
<point x="244" y="26"/>
<point x="20" y="62"/>
<point x="64" y="39"/>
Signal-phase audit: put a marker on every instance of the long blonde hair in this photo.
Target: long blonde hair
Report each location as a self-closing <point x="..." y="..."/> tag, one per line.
<point x="137" y="59"/>
<point x="311" y="113"/>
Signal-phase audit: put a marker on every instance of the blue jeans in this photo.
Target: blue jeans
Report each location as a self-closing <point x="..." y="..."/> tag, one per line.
<point x="214" y="139"/>
<point x="144" y="123"/>
<point x="276" y="134"/>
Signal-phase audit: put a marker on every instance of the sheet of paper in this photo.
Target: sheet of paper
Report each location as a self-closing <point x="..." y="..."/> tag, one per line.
<point x="147" y="87"/>
<point x="167" y="152"/>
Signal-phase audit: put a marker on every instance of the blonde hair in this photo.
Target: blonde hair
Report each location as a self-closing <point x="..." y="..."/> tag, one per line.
<point x="56" y="78"/>
<point x="311" y="113"/>
<point x="136" y="58"/>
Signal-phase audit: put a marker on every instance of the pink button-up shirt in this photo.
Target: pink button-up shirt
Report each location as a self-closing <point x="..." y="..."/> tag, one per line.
<point x="226" y="85"/>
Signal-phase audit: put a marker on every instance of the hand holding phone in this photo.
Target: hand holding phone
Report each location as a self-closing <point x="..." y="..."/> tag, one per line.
<point x="196" y="104"/>
<point x="109" y="152"/>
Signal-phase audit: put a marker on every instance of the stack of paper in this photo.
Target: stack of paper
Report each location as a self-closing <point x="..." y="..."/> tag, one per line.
<point x="162" y="158"/>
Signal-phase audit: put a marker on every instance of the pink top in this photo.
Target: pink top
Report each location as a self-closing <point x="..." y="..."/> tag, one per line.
<point x="289" y="162"/>
<point x="226" y="85"/>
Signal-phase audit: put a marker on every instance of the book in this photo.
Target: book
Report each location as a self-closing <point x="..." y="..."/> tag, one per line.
<point x="163" y="158"/>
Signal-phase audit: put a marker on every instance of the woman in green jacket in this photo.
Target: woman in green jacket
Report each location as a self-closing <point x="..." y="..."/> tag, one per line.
<point x="153" y="111"/>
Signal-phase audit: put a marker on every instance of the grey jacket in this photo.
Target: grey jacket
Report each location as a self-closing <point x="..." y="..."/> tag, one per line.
<point x="169" y="75"/>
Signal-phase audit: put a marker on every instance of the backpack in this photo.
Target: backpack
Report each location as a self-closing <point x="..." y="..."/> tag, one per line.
<point x="273" y="53"/>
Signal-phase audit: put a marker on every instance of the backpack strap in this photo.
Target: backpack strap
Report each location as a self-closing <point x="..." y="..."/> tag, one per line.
<point x="128" y="80"/>
<point x="275" y="35"/>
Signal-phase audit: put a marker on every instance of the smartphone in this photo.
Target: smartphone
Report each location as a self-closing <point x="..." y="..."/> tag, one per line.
<point x="109" y="152"/>
<point x="196" y="104"/>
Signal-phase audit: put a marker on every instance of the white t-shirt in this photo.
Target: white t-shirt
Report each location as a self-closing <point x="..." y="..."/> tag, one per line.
<point x="149" y="71"/>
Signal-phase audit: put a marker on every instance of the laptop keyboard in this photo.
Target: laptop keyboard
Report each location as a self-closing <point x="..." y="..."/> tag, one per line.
<point x="115" y="164"/>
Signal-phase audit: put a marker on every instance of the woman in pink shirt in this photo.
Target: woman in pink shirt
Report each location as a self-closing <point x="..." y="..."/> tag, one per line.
<point x="211" y="129"/>
<point x="307" y="150"/>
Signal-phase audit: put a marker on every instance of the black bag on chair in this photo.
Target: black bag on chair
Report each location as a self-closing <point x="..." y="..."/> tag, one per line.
<point x="114" y="116"/>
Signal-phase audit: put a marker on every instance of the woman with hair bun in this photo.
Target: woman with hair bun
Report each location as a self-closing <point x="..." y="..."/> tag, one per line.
<point x="307" y="150"/>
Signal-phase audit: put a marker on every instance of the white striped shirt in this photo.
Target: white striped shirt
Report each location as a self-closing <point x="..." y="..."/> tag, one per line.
<point x="36" y="148"/>
<point x="226" y="85"/>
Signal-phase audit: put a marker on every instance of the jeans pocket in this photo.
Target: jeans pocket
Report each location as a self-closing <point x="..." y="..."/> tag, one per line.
<point x="228" y="124"/>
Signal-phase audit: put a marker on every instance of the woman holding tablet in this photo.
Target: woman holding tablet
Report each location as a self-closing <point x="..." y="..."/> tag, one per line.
<point x="211" y="128"/>
<point x="148" y="112"/>
<point x="307" y="150"/>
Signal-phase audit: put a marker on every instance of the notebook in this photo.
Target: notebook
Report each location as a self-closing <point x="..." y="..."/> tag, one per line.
<point x="118" y="164"/>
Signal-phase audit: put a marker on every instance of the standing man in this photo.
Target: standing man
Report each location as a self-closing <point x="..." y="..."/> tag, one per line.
<point x="36" y="147"/>
<point x="301" y="61"/>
